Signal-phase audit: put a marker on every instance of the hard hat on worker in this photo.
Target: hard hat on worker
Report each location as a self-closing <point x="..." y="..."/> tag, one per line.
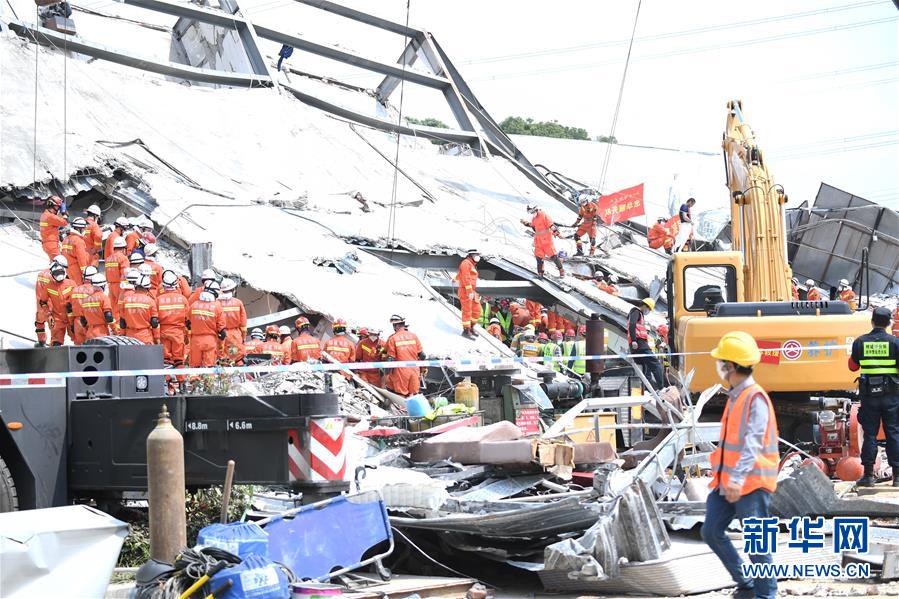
<point x="79" y="223"/>
<point x="93" y="210"/>
<point x="494" y="320"/>
<point x="119" y="243"/>
<point x="737" y="347"/>
<point x="272" y="330"/>
<point x="151" y="249"/>
<point x="844" y="283"/>
<point x="257" y="334"/>
<point x="542" y="337"/>
<point x="532" y="208"/>
<point x="397" y="319"/>
<point x="301" y="322"/>
<point x="557" y="335"/>
<point x="99" y="280"/>
<point x="810" y="282"/>
<point x="569" y="332"/>
<point x="228" y="285"/>
<point x="61" y="260"/>
<point x="121" y="222"/>
<point x="169" y="279"/>
<point x="649" y="302"/>
<point x="284" y="330"/>
<point x="136" y="258"/>
<point x="89" y="271"/>
<point x="207" y="275"/>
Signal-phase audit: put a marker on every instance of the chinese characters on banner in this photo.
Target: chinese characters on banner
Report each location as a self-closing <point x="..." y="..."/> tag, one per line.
<point x="849" y="534"/>
<point x="622" y="205"/>
<point x="770" y="351"/>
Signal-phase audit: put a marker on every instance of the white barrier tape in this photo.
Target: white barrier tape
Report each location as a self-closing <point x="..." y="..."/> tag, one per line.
<point x="324" y="367"/>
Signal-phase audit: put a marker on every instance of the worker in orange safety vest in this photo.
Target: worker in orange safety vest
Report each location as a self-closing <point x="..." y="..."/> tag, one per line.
<point x="403" y="346"/>
<point x="608" y="287"/>
<point x="340" y="347"/>
<point x="79" y="294"/>
<point x="272" y="344"/>
<point x="139" y="313"/>
<point x="848" y="295"/>
<point x="794" y="289"/>
<point x="585" y="224"/>
<point x="118" y="231"/>
<point x="234" y="317"/>
<point x="150" y="251"/>
<point x="93" y="236"/>
<point x="544" y="231"/>
<point x="660" y="235"/>
<point x="305" y="346"/>
<point x="254" y="343"/>
<point x="173" y="316"/>
<point x="745" y="463"/>
<point x="96" y="311"/>
<point x="41" y="308"/>
<point x="115" y="264"/>
<point x="52" y="219"/>
<point x="58" y="296"/>
<point x="207" y="327"/>
<point x="813" y="294"/>
<point x="370" y="349"/>
<point x="74" y="249"/>
<point x="469" y="300"/>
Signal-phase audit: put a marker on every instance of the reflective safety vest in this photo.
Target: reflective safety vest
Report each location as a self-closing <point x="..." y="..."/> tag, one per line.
<point x="878" y="357"/>
<point x="579" y="349"/>
<point x="485" y="315"/>
<point x="724" y="459"/>
<point x="529" y="349"/>
<point x="505" y="322"/>
<point x="639" y="328"/>
<point x="550" y="349"/>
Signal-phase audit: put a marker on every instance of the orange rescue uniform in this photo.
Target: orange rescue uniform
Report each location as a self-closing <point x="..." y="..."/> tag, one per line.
<point x="495" y="330"/>
<point x="543" y="235"/>
<point x="155" y="276"/>
<point x="205" y="323"/>
<point x="173" y="312"/>
<point x="75" y="250"/>
<point x="305" y="347"/>
<point x="50" y="224"/>
<point x="342" y="349"/>
<point x="93" y="239"/>
<point x="132" y="240"/>
<point x="234" y="321"/>
<point x="58" y="299"/>
<point x="273" y="348"/>
<point x="404" y="346"/>
<point x="370" y="351"/>
<point x="468" y="296"/>
<point x="848" y="296"/>
<point x="94" y="309"/>
<point x="116" y="263"/>
<point x="660" y="236"/>
<point x="79" y="294"/>
<point x="41" y="306"/>
<point x="814" y="294"/>
<point x="138" y="312"/>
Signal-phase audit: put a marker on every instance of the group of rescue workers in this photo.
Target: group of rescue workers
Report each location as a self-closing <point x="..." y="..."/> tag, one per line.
<point x="205" y="326"/>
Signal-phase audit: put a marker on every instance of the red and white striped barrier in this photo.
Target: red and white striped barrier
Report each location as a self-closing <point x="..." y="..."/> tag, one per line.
<point x="317" y="454"/>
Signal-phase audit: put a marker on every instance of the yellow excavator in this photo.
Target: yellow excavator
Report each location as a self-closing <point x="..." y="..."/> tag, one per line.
<point x="749" y="289"/>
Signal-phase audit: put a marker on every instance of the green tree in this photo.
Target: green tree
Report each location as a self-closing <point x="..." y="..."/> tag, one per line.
<point x="428" y="122"/>
<point x="609" y="139"/>
<point x="516" y="125"/>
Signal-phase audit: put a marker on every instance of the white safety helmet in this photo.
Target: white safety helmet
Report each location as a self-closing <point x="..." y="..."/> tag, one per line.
<point x="228" y="285"/>
<point x="93" y="210"/>
<point x="145" y="269"/>
<point x="213" y="288"/>
<point x="99" y="280"/>
<point x="61" y="260"/>
<point x="169" y="279"/>
<point x="89" y="271"/>
<point x="122" y="222"/>
<point x="613" y="278"/>
<point x="150" y="249"/>
<point x="132" y="275"/>
<point x="57" y="272"/>
<point x="136" y="258"/>
<point x="844" y="283"/>
<point x="208" y="275"/>
<point x="810" y="282"/>
<point x="78" y="223"/>
<point x="119" y="243"/>
<point x="532" y="208"/>
<point x="143" y="282"/>
<point x="284" y="330"/>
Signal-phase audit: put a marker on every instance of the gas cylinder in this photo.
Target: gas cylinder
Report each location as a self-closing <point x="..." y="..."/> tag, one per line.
<point x="467" y="394"/>
<point x="165" y="486"/>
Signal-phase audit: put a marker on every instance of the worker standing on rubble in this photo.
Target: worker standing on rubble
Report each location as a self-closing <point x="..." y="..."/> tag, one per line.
<point x="876" y="356"/>
<point x="638" y="337"/>
<point x="469" y="299"/>
<point x="59" y="294"/>
<point x="207" y="327"/>
<point x="794" y="289"/>
<point x="553" y="349"/>
<point x="660" y="236"/>
<point x="79" y="294"/>
<point x="340" y="347"/>
<point x="286" y="341"/>
<point x="173" y="316"/>
<point x="848" y="295"/>
<point x="403" y="346"/>
<point x="156" y="271"/>
<point x="585" y="224"/>
<point x="115" y="263"/>
<point x="575" y="349"/>
<point x="305" y="346"/>
<point x="52" y="219"/>
<point x="140" y="314"/>
<point x="370" y="349"/>
<point x="75" y="250"/>
<point x="504" y="314"/>
<point x="544" y="231"/>
<point x="234" y="321"/>
<point x="685" y="231"/>
<point x="528" y="345"/>
<point x="813" y="294"/>
<point x="254" y="343"/>
<point x="41" y="307"/>
<point x="272" y="344"/>
<point x="93" y="236"/>
<point x="205" y="277"/>
<point x="96" y="310"/>
<point x="744" y="465"/>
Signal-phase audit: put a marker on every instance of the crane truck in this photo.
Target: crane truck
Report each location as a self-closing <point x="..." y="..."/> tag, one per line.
<point x="749" y="289"/>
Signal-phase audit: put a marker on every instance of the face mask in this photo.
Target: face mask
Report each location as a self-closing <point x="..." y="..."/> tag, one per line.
<point x="373" y="337"/>
<point x="722" y="370"/>
<point x="59" y="276"/>
<point x="476" y="258"/>
<point x="225" y="295"/>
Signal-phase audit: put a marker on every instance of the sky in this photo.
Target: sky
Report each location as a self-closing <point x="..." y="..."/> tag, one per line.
<point x="818" y="79"/>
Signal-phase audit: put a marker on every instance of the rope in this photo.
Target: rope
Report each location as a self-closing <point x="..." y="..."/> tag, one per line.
<point x="37" y="18"/>
<point x="630" y="46"/>
<point x="391" y="220"/>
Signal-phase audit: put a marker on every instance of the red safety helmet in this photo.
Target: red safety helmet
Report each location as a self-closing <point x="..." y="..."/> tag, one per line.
<point x="54" y="201"/>
<point x="582" y="330"/>
<point x="569" y="333"/>
<point x="272" y="330"/>
<point x="663" y="330"/>
<point x="557" y="334"/>
<point x="339" y="326"/>
<point x="542" y="337"/>
<point x="301" y="322"/>
<point x="363" y="332"/>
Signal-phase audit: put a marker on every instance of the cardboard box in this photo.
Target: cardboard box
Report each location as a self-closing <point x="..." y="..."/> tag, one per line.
<point x="60" y="24"/>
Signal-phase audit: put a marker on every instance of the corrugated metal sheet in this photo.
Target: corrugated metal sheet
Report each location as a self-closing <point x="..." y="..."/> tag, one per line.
<point x="826" y="240"/>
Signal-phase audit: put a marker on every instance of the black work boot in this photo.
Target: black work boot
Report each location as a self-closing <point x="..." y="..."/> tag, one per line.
<point x="868" y="479"/>
<point x="579" y="252"/>
<point x="895" y="476"/>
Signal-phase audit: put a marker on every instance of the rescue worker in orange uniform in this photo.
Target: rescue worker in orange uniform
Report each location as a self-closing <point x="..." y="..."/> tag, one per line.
<point x="254" y="343"/>
<point x="305" y="346"/>
<point x="340" y="347"/>
<point x="173" y="316"/>
<point x="139" y="313"/>
<point x="272" y="344"/>
<point x="42" y="306"/>
<point x="370" y="349"/>
<point x="93" y="236"/>
<point x="660" y="236"/>
<point x="848" y="295"/>
<point x="132" y="237"/>
<point x="403" y="346"/>
<point x="495" y="329"/>
<point x="813" y="294"/>
<point x="52" y="219"/>
<point x="469" y="299"/>
<point x="794" y="289"/>
<point x="129" y="283"/>
<point x="115" y="263"/>
<point x="520" y="315"/>
<point x="205" y="277"/>
<point x="535" y="309"/>
<point x="544" y="231"/>
<point x="96" y="311"/>
<point x="234" y="319"/>
<point x="607" y="287"/>
<point x="150" y="251"/>
<point x="286" y="342"/>
<point x="585" y="224"/>
<point x="79" y="294"/>
<point x="207" y="327"/>
<point x="744" y="466"/>
<point x="118" y="231"/>
<point x="58" y="293"/>
<point x="75" y="250"/>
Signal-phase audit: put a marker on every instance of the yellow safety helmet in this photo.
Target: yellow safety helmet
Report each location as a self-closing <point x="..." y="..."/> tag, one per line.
<point x="738" y="347"/>
<point x="649" y="302"/>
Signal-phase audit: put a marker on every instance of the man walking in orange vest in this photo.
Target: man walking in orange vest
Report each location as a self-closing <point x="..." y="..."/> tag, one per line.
<point x="469" y="299"/>
<point x="744" y="466"/>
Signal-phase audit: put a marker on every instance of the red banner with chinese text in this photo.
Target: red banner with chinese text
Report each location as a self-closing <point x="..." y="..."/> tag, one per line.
<point x="622" y="205"/>
<point x="770" y="351"/>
